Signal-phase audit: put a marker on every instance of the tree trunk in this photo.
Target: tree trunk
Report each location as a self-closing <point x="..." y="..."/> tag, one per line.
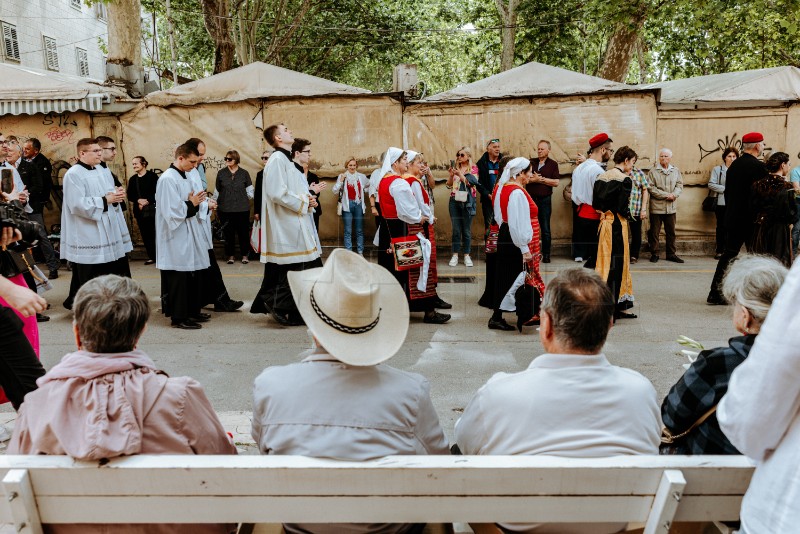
<point x="621" y="46"/>
<point x="218" y="26"/>
<point x="508" y="15"/>
<point x="125" y="45"/>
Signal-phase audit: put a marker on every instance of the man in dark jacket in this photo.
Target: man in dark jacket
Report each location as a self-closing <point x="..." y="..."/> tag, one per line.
<point x="37" y="176"/>
<point x="545" y="178"/>
<point x="488" y="174"/>
<point x="738" y="219"/>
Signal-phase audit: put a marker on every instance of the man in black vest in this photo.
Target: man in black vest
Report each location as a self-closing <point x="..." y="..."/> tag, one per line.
<point x="738" y="219"/>
<point x="38" y="177"/>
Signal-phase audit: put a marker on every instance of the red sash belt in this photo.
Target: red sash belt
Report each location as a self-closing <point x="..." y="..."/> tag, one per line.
<point x="586" y="211"/>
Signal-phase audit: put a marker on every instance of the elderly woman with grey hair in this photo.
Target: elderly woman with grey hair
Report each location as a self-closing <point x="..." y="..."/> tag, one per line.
<point x="108" y="399"/>
<point x="751" y="284"/>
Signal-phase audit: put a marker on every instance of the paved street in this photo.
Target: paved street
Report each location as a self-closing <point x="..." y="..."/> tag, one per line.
<point x="457" y="358"/>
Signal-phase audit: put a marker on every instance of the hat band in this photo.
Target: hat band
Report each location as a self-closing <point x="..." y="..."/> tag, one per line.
<point x="330" y="321"/>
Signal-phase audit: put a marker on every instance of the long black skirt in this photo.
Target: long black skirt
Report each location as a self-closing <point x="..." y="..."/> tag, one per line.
<point x="180" y="294"/>
<point x="508" y="265"/>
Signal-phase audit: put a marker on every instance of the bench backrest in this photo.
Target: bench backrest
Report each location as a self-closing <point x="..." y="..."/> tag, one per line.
<point x="273" y="489"/>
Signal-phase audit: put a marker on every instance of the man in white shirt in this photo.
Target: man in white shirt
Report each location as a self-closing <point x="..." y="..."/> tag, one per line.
<point x="94" y="235"/>
<point x="571" y="401"/>
<point x="288" y="236"/>
<point x="587" y="220"/>
<point x="181" y="250"/>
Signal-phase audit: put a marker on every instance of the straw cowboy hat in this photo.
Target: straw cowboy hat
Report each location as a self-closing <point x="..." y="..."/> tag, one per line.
<point x="357" y="310"/>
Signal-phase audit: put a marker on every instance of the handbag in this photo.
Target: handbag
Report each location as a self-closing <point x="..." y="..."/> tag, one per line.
<point x="710" y="202"/>
<point x="461" y="195"/>
<point x="673" y="443"/>
<point x="218" y="229"/>
<point x="255" y="237"/>
<point x="491" y="238"/>
<point x="407" y="253"/>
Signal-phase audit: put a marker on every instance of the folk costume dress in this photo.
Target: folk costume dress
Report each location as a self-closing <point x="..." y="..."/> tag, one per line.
<point x="773" y="206"/>
<point x="289" y="237"/>
<point x="94" y="235"/>
<point x="401" y="214"/>
<point x="181" y="246"/>
<point x="517" y="214"/>
<point x="612" y="192"/>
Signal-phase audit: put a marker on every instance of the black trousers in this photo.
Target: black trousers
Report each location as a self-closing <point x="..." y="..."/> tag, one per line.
<point x="212" y="286"/>
<point x="180" y="294"/>
<point x="733" y="244"/>
<point x="237" y="225"/>
<point x="720" y="213"/>
<point x="147" y="227"/>
<point x="275" y="296"/>
<point x="19" y="367"/>
<point x="545" y="207"/>
<point x="635" y="229"/>
<point x="586" y="245"/>
<point x="83" y="272"/>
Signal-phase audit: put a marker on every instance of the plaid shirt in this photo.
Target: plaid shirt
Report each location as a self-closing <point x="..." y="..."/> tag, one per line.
<point x="700" y="388"/>
<point x="639" y="179"/>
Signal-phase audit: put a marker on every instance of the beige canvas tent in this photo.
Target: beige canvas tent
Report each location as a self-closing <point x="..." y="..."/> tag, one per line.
<point x="699" y="117"/>
<point x="522" y="106"/>
<point x="231" y="109"/>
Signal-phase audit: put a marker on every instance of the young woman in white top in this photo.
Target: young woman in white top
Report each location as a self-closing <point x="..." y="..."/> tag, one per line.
<point x="351" y="186"/>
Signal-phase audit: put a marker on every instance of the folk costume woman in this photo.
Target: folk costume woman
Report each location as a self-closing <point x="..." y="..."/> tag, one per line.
<point x="612" y="192"/>
<point x="773" y="206"/>
<point x="519" y="241"/>
<point x="401" y="217"/>
<point x="351" y="187"/>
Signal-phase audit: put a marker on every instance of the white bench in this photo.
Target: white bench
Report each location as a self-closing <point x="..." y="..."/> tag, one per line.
<point x="653" y="490"/>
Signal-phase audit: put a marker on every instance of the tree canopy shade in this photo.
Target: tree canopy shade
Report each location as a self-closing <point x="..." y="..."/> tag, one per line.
<point x="454" y="42"/>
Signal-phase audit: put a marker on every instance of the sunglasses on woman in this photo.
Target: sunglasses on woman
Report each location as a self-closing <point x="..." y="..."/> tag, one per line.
<point x="460" y="155"/>
<point x="228" y="159"/>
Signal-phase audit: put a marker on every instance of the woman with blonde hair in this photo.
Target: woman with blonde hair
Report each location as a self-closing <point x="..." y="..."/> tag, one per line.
<point x="351" y="186"/>
<point x="463" y="181"/>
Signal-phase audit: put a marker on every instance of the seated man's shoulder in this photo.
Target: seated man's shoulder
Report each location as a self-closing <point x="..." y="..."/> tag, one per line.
<point x="633" y="379"/>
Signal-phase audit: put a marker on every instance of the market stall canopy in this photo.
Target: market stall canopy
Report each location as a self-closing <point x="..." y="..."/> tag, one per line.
<point x="28" y="91"/>
<point x="761" y="86"/>
<point x="255" y="80"/>
<point x="532" y="79"/>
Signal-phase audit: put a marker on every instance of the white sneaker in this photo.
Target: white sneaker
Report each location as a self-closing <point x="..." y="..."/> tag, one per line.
<point x="5" y="435"/>
<point x="467" y="260"/>
<point x="453" y="261"/>
<point x="578" y="258"/>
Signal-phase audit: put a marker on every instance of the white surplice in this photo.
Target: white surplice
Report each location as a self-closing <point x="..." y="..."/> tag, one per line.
<point x="92" y="230"/>
<point x="288" y="233"/>
<point x="204" y="213"/>
<point x="181" y="243"/>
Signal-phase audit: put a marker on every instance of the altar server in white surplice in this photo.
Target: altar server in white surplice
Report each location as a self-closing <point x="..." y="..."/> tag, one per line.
<point x="181" y="244"/>
<point x="94" y="235"/>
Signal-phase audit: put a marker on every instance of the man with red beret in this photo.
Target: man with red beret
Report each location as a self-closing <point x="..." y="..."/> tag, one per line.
<point x="583" y="178"/>
<point x="738" y="220"/>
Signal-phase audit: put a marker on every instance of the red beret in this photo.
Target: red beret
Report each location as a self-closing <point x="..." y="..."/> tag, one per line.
<point x="752" y="137"/>
<point x="598" y="140"/>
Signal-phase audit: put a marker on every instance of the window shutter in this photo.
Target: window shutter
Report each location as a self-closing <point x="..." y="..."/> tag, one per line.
<point x="83" y="62"/>
<point x="10" y="42"/>
<point x="50" y="53"/>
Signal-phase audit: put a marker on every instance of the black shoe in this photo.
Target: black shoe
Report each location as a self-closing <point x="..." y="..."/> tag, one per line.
<point x="285" y="320"/>
<point x="149" y="262"/>
<point x="42" y="318"/>
<point x="201" y="318"/>
<point x="228" y="306"/>
<point x="674" y="259"/>
<point x="546" y="258"/>
<point x="500" y="324"/>
<point x="436" y="318"/>
<point x="442" y="305"/>
<point x="625" y="315"/>
<point x="716" y="300"/>
<point x="718" y="255"/>
<point x="653" y="259"/>
<point x="188" y="324"/>
<point x="53" y="274"/>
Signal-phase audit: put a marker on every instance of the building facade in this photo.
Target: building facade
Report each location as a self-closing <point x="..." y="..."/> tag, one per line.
<point x="63" y="36"/>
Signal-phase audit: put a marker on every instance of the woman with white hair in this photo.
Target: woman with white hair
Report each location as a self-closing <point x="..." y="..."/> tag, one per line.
<point x="519" y="242"/>
<point x="751" y="284"/>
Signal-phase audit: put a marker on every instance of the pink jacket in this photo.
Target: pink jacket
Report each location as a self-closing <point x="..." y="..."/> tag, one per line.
<point x="94" y="406"/>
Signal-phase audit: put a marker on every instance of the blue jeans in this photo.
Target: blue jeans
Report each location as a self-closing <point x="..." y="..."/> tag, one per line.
<point x="355" y="215"/>
<point x="462" y="227"/>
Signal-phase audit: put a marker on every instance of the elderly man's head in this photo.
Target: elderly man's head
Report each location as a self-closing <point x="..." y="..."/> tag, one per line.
<point x="110" y="314"/>
<point x="577" y="312"/>
<point x="14" y="153"/>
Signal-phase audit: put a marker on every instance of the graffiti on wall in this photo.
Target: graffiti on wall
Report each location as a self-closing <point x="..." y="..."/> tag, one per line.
<point x="723" y="143"/>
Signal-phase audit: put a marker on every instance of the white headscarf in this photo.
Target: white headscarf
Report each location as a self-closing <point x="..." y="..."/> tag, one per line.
<point x="392" y="155"/>
<point x="410" y="155"/>
<point x="513" y="168"/>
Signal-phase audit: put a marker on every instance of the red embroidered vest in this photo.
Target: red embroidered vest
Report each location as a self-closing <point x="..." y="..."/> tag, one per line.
<point x="505" y="194"/>
<point x="411" y="180"/>
<point x="387" y="203"/>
